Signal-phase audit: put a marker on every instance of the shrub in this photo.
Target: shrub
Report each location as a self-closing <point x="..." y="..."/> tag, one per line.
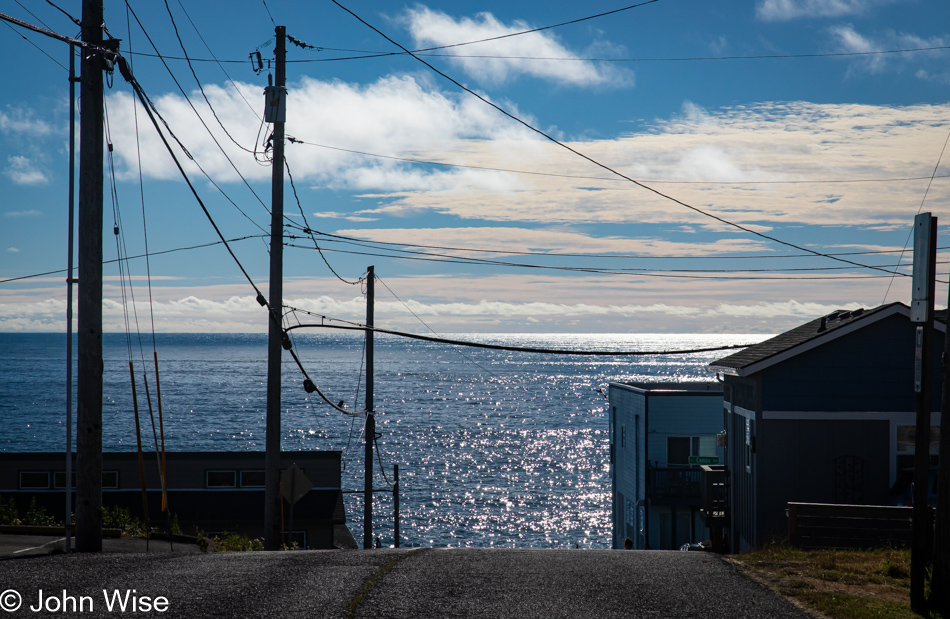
<point x="36" y="515"/>
<point x="8" y="512"/>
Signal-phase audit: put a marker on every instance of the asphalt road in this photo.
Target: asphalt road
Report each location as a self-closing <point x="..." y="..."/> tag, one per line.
<point x="390" y="583"/>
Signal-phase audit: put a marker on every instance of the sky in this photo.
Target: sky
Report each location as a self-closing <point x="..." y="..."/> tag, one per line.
<point x="675" y="167"/>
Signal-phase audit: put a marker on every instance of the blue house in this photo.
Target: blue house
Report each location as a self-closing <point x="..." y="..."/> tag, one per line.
<point x="824" y="413"/>
<point x="659" y="435"/>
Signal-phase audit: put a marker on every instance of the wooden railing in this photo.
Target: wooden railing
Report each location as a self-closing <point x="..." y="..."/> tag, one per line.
<point x="820" y="525"/>
<point x="674" y="483"/>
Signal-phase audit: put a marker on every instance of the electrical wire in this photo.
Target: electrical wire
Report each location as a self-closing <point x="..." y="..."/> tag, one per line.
<point x="590" y="159"/>
<point x="152" y="114"/>
<point x="369" y="243"/>
<point x="482" y="261"/>
<point x="154" y="253"/>
<point x="547" y="351"/>
<point x="307" y="229"/>
<point x="63" y="11"/>
<point x="203" y="123"/>
<point x="181" y="44"/>
<point x="373" y="245"/>
<point x="366" y="54"/>
<point x="43" y="51"/>
<point x="294" y="140"/>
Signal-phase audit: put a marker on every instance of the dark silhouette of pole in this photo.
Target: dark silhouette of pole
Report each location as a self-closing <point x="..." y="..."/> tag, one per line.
<point x="275" y="331"/>
<point x="940" y="585"/>
<point x="922" y="310"/>
<point x="396" y="505"/>
<point x="370" y="418"/>
<point x="89" y="366"/>
<point x="68" y="520"/>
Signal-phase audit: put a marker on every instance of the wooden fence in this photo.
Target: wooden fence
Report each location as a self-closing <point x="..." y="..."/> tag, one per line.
<point x="820" y="525"/>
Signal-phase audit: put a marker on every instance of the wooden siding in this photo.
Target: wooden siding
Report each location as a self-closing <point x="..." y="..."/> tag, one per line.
<point x="843" y="462"/>
<point x="868" y="370"/>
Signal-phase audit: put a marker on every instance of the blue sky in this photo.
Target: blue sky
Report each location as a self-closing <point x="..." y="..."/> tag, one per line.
<point x="769" y="114"/>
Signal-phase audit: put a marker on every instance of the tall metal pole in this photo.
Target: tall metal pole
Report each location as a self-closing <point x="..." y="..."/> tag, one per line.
<point x="922" y="311"/>
<point x="396" y="505"/>
<point x="275" y="331"/>
<point x="89" y="366"/>
<point x="69" y="296"/>
<point x="370" y="418"/>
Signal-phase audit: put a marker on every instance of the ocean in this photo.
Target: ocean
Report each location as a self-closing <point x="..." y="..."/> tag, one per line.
<point x="495" y="448"/>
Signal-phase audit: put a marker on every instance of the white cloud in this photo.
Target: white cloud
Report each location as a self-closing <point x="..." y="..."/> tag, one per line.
<point x="27" y="213"/>
<point x="783" y="10"/>
<point x="434" y="28"/>
<point x="13" y="250"/>
<point x="24" y="171"/>
<point x="847" y="39"/>
<point x="23" y="123"/>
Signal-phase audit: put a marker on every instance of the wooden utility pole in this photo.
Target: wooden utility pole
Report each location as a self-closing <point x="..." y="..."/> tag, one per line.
<point x="276" y="99"/>
<point x="370" y="417"/>
<point x="940" y="585"/>
<point x="89" y="366"/>
<point x="69" y="296"/>
<point x="921" y="313"/>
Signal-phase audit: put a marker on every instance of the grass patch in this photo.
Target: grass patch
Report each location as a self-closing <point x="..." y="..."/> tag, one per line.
<point x="837" y="604"/>
<point x="839" y="583"/>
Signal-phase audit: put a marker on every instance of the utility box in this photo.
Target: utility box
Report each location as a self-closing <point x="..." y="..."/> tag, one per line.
<point x="275" y="104"/>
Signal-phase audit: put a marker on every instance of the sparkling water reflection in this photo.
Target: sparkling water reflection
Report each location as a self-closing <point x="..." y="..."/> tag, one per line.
<point x="494" y="448"/>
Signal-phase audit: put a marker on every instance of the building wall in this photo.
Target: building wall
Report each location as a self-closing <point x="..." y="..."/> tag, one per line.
<point x="642" y="417"/>
<point x="867" y="370"/>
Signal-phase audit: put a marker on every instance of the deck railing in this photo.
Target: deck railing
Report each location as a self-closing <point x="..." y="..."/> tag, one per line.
<point x="674" y="483"/>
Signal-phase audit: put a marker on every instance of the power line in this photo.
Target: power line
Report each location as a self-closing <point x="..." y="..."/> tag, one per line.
<point x="195" y="75"/>
<point x="143" y="255"/>
<point x="548" y="351"/>
<point x="594" y="161"/>
<point x="369" y="243"/>
<point x="294" y="140"/>
<point x="307" y="228"/>
<point x="599" y="271"/>
<point x="367" y="54"/>
<point x="195" y="110"/>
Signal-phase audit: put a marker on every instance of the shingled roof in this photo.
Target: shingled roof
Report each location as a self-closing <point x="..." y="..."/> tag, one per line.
<point x="805" y="337"/>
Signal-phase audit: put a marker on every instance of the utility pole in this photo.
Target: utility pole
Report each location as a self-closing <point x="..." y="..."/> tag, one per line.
<point x="275" y="106"/>
<point x="69" y="296"/>
<point x="89" y="367"/>
<point x="370" y="417"/>
<point x="940" y="585"/>
<point x="921" y="313"/>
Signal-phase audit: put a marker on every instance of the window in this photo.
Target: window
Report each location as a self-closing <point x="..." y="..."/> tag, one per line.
<point x="34" y="479"/>
<point x="623" y="436"/>
<point x="680" y="448"/>
<point x="110" y="479"/>
<point x="252" y="479"/>
<point x="748" y="445"/>
<point x="220" y="479"/>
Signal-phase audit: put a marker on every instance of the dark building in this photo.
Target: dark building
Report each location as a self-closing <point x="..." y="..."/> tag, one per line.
<point x="824" y="413"/>
<point x="215" y="492"/>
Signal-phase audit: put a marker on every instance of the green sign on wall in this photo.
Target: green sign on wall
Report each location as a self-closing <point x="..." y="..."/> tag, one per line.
<point x="704" y="459"/>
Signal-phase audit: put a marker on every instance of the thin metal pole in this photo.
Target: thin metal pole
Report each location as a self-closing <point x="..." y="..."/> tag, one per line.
<point x="396" y="505"/>
<point x="370" y="417"/>
<point x="69" y="297"/>
<point x="89" y="362"/>
<point x="272" y="504"/>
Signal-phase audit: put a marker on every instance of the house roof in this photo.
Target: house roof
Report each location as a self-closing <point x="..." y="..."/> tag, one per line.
<point x="807" y="336"/>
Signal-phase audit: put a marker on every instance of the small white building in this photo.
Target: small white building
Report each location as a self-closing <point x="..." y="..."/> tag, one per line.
<point x="660" y="434"/>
